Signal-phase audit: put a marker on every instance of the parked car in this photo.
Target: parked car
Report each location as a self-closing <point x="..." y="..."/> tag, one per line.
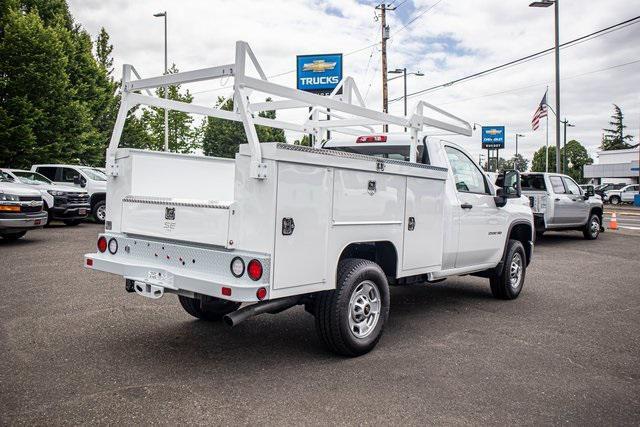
<point x="91" y="179"/>
<point x="623" y="195"/>
<point x="559" y="203"/>
<point x="64" y="203"/>
<point x="602" y="188"/>
<point x="330" y="228"/>
<point x="20" y="209"/>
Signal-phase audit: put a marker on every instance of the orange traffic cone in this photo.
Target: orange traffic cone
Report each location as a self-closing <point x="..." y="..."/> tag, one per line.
<point x="613" y="222"/>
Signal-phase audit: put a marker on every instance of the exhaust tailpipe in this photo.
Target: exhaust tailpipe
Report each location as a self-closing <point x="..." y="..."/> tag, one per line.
<point x="273" y="306"/>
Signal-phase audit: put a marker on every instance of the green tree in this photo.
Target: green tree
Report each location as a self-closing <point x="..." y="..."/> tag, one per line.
<point x="614" y="138"/>
<point x="519" y="163"/>
<point x="182" y="136"/>
<point x="41" y="117"/>
<point x="103" y="51"/>
<point x="577" y="156"/>
<point x="221" y="138"/>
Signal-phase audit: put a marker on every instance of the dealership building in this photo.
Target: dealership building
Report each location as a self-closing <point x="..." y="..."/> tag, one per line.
<point x="614" y="166"/>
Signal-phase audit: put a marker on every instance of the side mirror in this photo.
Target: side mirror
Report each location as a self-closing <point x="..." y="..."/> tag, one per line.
<point x="589" y="192"/>
<point x="500" y="198"/>
<point x="508" y="183"/>
<point x="77" y="180"/>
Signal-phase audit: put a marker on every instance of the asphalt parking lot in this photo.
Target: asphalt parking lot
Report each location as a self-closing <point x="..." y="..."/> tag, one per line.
<point x="76" y="349"/>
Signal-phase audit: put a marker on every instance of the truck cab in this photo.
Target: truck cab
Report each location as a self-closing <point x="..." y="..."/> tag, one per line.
<point x="559" y="203"/>
<point x="91" y="179"/>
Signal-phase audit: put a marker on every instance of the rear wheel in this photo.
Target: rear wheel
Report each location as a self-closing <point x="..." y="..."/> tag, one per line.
<point x="351" y="318"/>
<point x="208" y="308"/>
<point x="13" y="236"/>
<point x="100" y="211"/>
<point x="591" y="230"/>
<point x="508" y="282"/>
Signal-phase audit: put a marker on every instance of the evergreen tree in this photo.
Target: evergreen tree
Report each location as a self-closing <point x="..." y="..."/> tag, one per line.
<point x="103" y="51"/>
<point x="577" y="156"/>
<point x="221" y="138"/>
<point x="182" y="137"/>
<point x="614" y="138"/>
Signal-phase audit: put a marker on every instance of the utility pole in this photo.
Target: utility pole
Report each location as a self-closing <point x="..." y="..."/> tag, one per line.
<point x="166" y="88"/>
<point x="557" y="18"/>
<point x="382" y="7"/>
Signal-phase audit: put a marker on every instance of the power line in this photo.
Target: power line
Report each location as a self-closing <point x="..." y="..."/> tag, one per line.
<point x="411" y="21"/>
<point x="488" y="95"/>
<point x="573" y="42"/>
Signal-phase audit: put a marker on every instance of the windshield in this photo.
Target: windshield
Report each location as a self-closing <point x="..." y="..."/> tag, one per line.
<point x="31" y="177"/>
<point x="4" y="177"/>
<point x="94" y="174"/>
<point x="533" y="182"/>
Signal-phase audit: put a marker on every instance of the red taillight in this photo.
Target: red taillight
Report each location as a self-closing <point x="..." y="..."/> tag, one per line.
<point x="254" y="269"/>
<point x="89" y="262"/>
<point x="102" y="244"/>
<point x="371" y="138"/>
<point x="261" y="293"/>
<point x="226" y="291"/>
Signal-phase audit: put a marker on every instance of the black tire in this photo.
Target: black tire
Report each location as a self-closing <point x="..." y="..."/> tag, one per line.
<point x="99" y="211"/>
<point x="333" y="310"/>
<point x="539" y="234"/>
<point x="208" y="308"/>
<point x="591" y="229"/>
<point x="72" y="222"/>
<point x="13" y="236"/>
<point x="614" y="200"/>
<point x="49" y="217"/>
<point x="501" y="282"/>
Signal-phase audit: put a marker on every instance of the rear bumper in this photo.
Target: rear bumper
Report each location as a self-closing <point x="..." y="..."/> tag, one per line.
<point x="22" y="221"/>
<point x="180" y="268"/>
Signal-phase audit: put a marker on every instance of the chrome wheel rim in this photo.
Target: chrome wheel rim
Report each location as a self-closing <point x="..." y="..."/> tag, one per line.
<point x="364" y="309"/>
<point x="515" y="271"/>
<point x="595" y="227"/>
<point x="101" y="212"/>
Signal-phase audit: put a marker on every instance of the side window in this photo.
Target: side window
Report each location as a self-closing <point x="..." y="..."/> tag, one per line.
<point x="557" y="185"/>
<point x="49" y="172"/>
<point x="69" y="175"/>
<point x="468" y="177"/>
<point x="572" y="187"/>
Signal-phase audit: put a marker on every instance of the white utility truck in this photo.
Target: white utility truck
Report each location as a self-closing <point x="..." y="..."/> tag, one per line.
<point x="328" y="227"/>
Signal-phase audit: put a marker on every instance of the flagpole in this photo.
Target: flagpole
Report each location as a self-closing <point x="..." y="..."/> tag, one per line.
<point x="547" y="149"/>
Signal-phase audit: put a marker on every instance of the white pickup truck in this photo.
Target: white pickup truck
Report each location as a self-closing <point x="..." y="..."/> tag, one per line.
<point x="559" y="204"/>
<point x="328" y="227"/>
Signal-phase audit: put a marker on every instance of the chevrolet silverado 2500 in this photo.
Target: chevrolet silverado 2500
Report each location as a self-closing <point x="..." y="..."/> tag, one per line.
<point x="330" y="227"/>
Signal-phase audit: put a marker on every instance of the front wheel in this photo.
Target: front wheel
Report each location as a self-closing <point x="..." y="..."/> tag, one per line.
<point x="100" y="211"/>
<point x="508" y="282"/>
<point x="591" y="230"/>
<point x="208" y="308"/>
<point x="614" y="200"/>
<point x="350" y="319"/>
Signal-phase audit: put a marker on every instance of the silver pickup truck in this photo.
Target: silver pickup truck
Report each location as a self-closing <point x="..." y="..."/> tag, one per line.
<point x="559" y="203"/>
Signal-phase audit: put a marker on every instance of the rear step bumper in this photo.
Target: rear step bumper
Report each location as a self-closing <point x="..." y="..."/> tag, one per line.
<point x="180" y="268"/>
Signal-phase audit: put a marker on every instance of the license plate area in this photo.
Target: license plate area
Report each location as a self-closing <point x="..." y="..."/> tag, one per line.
<point x="160" y="277"/>
<point x="82" y="211"/>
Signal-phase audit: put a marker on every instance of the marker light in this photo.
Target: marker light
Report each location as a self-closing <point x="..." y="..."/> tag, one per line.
<point x="254" y="269"/>
<point x="261" y="293"/>
<point x="226" y="291"/>
<point x="102" y="244"/>
<point x="371" y="138"/>
<point x="237" y="266"/>
<point x="113" y="246"/>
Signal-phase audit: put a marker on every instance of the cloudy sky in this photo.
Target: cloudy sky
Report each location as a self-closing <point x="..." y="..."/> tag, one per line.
<point x="444" y="39"/>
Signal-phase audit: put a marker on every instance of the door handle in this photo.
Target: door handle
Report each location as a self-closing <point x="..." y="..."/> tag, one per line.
<point x="557" y="199"/>
<point x="466" y="206"/>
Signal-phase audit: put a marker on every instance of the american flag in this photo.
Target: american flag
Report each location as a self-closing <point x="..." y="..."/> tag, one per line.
<point x="540" y="113"/>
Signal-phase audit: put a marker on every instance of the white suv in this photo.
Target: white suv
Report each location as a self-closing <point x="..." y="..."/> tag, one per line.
<point x="93" y="180"/>
<point x="625" y="194"/>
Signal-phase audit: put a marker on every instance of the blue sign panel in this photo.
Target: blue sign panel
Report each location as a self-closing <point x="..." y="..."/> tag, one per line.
<point x="492" y="136"/>
<point x="318" y="73"/>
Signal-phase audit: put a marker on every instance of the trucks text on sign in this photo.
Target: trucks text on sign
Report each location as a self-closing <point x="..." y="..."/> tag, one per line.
<point x="318" y="73"/>
<point x="492" y="137"/>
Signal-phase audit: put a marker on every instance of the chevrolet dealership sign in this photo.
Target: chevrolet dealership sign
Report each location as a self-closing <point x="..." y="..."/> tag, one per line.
<point x="318" y="73"/>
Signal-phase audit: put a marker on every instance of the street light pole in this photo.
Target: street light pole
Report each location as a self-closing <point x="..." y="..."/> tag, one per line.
<point x="521" y="136"/>
<point x="403" y="71"/>
<point x="566" y="123"/>
<point x="555" y="3"/>
<point x="166" y="88"/>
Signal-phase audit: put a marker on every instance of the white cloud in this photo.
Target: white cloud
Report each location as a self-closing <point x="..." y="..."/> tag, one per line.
<point x="454" y="39"/>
